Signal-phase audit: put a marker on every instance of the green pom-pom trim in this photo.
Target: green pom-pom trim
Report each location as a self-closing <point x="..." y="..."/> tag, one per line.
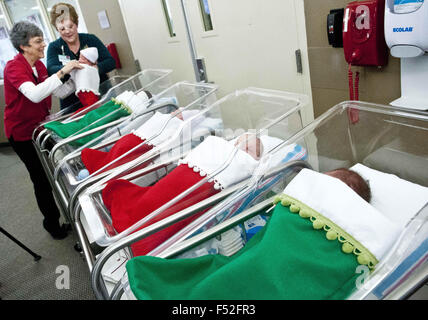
<point x="333" y="232"/>
<point x="331" y="235"/>
<point x="277" y="199"/>
<point x="122" y="105"/>
<point x="285" y="202"/>
<point x="294" y="208"/>
<point x="318" y="224"/>
<point x="363" y="259"/>
<point x="304" y="214"/>
<point x="347" y="247"/>
<point x="116" y="101"/>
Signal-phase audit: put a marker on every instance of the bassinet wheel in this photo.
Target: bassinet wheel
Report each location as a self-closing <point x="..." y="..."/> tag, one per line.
<point x="78" y="248"/>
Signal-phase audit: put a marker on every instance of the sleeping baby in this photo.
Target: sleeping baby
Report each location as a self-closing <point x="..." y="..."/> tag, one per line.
<point x="129" y="203"/>
<point x="353" y="180"/>
<point x="320" y="237"/>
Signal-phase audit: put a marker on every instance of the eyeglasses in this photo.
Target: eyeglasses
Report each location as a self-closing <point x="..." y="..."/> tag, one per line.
<point x="37" y="41"/>
<point x="65" y="28"/>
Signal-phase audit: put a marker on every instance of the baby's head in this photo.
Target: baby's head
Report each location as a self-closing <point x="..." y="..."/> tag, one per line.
<point x="251" y="144"/>
<point x="353" y="180"/>
<point x="89" y="56"/>
<point x="178" y="113"/>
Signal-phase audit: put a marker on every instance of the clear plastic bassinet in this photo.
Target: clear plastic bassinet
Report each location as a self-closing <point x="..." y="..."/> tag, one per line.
<point x="47" y="143"/>
<point x="271" y="115"/>
<point x="180" y="97"/>
<point x="105" y="90"/>
<point x="109" y="89"/>
<point x="386" y="139"/>
<point x="50" y="150"/>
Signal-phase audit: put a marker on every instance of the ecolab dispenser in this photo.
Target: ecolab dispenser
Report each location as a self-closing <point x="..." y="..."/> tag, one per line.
<point x="406" y="27"/>
<point x="406" y="34"/>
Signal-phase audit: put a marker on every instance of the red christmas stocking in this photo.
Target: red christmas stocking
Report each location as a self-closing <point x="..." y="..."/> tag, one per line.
<point x="129" y="203"/>
<point x="88" y="98"/>
<point x="95" y="159"/>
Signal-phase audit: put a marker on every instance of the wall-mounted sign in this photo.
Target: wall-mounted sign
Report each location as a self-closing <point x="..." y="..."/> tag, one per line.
<point x="103" y="19"/>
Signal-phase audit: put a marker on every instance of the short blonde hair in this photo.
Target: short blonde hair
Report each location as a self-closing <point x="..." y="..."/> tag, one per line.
<point x="63" y="11"/>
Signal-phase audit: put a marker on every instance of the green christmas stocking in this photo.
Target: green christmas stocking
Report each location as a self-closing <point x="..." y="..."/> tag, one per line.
<point x="289" y="259"/>
<point x="106" y="113"/>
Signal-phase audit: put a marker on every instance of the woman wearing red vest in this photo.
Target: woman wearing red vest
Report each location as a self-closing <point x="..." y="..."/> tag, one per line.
<point x="27" y="90"/>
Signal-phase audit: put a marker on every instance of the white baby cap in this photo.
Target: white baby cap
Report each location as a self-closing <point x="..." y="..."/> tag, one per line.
<point x="90" y="53"/>
<point x="138" y="103"/>
<point x="144" y="94"/>
<point x="125" y="96"/>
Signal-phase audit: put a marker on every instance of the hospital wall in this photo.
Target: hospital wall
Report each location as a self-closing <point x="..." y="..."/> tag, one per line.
<point x="115" y="33"/>
<point x="329" y="70"/>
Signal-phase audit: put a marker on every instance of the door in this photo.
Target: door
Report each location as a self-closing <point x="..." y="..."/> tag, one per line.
<point x="242" y="43"/>
<point x="151" y="41"/>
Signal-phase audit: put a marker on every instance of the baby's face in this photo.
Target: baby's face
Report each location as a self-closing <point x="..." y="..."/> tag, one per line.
<point x="83" y="60"/>
<point x="251" y="145"/>
<point x="178" y="113"/>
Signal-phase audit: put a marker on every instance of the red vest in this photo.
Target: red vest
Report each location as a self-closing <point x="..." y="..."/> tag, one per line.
<point x="21" y="116"/>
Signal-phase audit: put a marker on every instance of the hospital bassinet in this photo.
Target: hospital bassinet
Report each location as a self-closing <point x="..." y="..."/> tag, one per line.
<point x="180" y="96"/>
<point x="273" y="115"/>
<point x="110" y="88"/>
<point x="48" y="147"/>
<point x="104" y="89"/>
<point x="386" y="139"/>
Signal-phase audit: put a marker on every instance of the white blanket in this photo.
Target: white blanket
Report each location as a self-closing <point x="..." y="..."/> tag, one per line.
<point x="399" y="200"/>
<point x="86" y="79"/>
<point x="333" y="199"/>
<point x="210" y="155"/>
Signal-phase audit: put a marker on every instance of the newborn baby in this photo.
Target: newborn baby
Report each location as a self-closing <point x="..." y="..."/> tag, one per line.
<point x="129" y="203"/>
<point x="319" y="233"/>
<point x="353" y="180"/>
<point x="251" y="144"/>
<point x="84" y="82"/>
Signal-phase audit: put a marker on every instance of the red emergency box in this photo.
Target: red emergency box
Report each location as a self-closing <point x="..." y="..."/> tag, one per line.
<point x="363" y="33"/>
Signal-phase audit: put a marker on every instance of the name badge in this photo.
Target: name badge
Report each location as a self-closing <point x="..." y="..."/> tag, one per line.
<point x="63" y="59"/>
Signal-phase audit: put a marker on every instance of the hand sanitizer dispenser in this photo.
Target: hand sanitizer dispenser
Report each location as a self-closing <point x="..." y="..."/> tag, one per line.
<point x="406" y="34"/>
<point x="406" y="27"/>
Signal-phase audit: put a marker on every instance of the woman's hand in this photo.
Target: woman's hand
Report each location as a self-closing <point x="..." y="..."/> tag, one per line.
<point x="73" y="64"/>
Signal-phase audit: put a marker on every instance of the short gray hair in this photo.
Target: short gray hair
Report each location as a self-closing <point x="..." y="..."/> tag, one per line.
<point x="22" y="32"/>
